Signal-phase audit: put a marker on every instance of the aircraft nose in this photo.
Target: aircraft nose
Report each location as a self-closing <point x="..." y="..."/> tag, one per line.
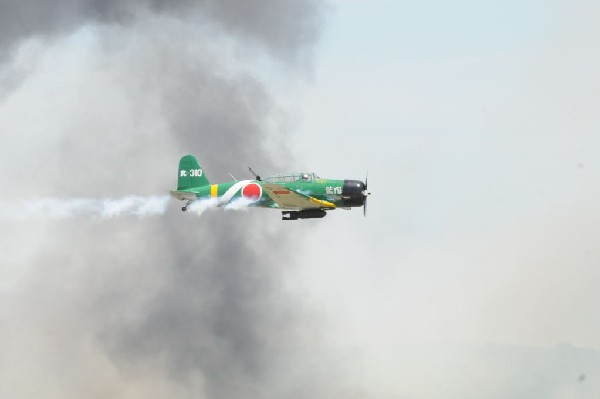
<point x="353" y="192"/>
<point x="352" y="187"/>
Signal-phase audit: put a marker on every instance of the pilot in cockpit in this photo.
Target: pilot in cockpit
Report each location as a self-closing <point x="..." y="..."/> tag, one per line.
<point x="305" y="177"/>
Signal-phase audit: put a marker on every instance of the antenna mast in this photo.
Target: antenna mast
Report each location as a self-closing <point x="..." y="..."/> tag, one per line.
<point x="257" y="177"/>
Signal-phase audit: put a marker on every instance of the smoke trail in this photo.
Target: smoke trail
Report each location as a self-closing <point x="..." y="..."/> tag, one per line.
<point x="238" y="204"/>
<point x="97" y="208"/>
<point x="201" y="206"/>
<point x="134" y="205"/>
<point x="106" y="208"/>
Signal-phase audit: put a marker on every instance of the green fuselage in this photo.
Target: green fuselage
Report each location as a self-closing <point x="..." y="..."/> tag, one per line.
<point x="322" y="189"/>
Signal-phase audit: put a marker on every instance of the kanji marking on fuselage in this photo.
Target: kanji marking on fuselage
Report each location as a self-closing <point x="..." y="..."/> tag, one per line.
<point x="337" y="190"/>
<point x="298" y="195"/>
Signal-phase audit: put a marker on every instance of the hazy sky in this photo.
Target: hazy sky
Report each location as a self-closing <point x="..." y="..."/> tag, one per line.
<point x="478" y="122"/>
<point x="474" y="275"/>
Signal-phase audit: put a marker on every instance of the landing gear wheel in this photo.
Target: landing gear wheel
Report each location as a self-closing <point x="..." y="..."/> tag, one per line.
<point x="184" y="208"/>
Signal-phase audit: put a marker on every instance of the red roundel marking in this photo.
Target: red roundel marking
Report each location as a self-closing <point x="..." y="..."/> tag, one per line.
<point x="252" y="191"/>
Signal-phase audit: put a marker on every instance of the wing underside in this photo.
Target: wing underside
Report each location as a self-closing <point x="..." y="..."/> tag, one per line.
<point x="290" y="199"/>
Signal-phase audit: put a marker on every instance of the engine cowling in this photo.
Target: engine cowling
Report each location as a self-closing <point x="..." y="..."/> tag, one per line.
<point x="353" y="193"/>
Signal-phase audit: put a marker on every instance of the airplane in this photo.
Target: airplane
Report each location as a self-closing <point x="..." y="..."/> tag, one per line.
<point x="298" y="195"/>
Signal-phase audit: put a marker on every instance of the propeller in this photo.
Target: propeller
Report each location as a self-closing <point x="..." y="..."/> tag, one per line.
<point x="365" y="194"/>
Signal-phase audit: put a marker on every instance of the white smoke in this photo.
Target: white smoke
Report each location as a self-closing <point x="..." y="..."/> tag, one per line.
<point x="239" y="204"/>
<point x="202" y="205"/>
<point x="106" y="208"/>
<point x="96" y="208"/>
<point x="139" y="206"/>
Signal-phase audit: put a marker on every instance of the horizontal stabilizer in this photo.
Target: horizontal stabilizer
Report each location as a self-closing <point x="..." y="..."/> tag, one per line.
<point x="184" y="195"/>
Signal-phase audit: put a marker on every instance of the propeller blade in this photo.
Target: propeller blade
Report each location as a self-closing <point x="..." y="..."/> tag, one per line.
<point x="365" y="194"/>
<point x="365" y="208"/>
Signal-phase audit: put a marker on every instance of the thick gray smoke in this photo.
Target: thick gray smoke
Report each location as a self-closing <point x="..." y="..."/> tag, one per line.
<point x="100" y="99"/>
<point x="284" y="27"/>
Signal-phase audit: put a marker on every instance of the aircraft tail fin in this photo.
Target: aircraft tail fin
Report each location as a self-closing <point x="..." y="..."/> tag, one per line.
<point x="190" y="174"/>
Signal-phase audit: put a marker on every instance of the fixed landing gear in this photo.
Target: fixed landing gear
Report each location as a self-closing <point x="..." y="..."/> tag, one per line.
<point x="185" y="207"/>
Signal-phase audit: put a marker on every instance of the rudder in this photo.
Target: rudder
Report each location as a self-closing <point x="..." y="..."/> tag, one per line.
<point x="190" y="174"/>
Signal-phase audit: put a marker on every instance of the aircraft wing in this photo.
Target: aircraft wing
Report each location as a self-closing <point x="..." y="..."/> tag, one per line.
<point x="290" y="199"/>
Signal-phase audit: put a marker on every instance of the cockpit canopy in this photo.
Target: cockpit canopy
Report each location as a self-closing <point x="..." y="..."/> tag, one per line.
<point x="292" y="178"/>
